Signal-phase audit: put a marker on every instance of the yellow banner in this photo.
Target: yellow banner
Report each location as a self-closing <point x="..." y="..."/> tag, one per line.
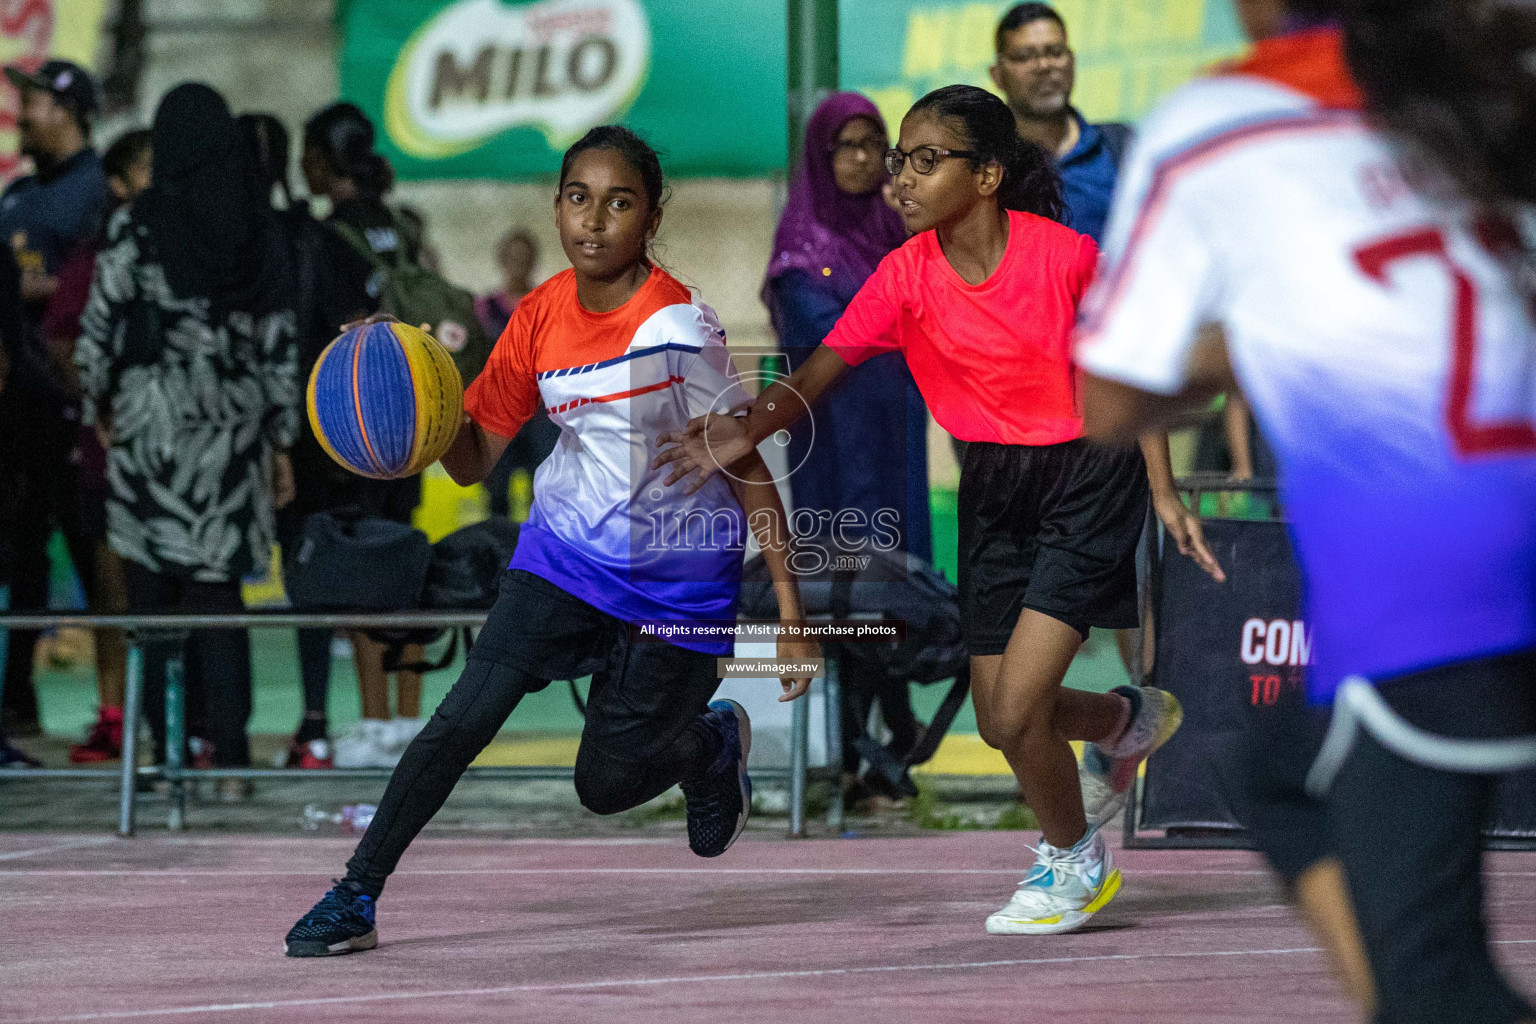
<point x="1129" y="52"/>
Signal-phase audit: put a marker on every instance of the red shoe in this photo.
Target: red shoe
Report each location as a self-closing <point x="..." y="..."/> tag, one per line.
<point x="104" y="742"/>
<point x="199" y="753"/>
<point x="314" y="754"/>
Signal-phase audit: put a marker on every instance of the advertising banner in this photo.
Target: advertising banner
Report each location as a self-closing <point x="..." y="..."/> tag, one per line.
<point x="497" y="89"/>
<point x="1231" y="653"/>
<point x="1129" y="53"/>
<point x="1228" y="651"/>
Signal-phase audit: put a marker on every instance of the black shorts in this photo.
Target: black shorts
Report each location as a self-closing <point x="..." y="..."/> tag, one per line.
<point x="1053" y="528"/>
<point x="1410" y="836"/>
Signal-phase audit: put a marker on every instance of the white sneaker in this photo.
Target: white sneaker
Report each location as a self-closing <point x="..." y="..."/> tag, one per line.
<point x="401" y="732"/>
<point x="1062" y="891"/>
<point x="1109" y="769"/>
<point x="365" y="745"/>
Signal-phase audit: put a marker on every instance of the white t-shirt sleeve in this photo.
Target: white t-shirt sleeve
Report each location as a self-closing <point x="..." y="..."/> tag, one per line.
<point x="711" y="383"/>
<point x="1160" y="278"/>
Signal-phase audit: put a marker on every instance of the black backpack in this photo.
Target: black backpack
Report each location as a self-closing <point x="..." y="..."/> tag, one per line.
<point x="347" y="561"/>
<point x="468" y="563"/>
<point x="894" y="585"/>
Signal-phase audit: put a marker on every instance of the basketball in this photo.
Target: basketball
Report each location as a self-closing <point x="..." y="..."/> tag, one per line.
<point x="385" y="400"/>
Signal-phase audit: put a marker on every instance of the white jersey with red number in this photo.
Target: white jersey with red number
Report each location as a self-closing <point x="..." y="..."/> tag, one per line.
<point x="1376" y="335"/>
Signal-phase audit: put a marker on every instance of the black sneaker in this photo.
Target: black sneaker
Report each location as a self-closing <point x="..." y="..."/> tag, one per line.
<point x="342" y="922"/>
<point x="720" y="799"/>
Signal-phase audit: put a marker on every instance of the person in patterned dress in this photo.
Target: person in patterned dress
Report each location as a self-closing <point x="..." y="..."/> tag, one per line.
<point x="189" y="363"/>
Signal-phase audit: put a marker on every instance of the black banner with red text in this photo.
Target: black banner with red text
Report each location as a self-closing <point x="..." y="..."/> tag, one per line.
<point x="1232" y="652"/>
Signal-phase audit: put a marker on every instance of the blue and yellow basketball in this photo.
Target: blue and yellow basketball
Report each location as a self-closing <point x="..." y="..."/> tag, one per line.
<point x="385" y="400"/>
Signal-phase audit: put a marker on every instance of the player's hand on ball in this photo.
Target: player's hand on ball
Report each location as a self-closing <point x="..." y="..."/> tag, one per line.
<point x="706" y="445"/>
<point x="379" y="318"/>
<point x="371" y="318"/>
<point x="796" y="648"/>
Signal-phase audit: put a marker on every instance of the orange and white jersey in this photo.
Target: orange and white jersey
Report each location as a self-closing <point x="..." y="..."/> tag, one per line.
<point x="603" y="524"/>
<point x="1374" y="330"/>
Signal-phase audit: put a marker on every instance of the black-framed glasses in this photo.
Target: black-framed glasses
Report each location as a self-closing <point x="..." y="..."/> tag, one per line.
<point x="924" y="158"/>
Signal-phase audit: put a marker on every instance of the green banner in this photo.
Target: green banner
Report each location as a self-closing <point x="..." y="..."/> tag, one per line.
<point x="496" y="89"/>
<point x="1129" y="52"/>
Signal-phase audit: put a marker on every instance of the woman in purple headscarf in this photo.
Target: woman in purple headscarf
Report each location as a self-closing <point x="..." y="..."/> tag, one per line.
<point x="835" y="229"/>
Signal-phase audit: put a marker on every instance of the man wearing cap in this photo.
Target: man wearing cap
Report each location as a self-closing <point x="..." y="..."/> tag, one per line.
<point x="43" y="217"/>
<point x="48" y="212"/>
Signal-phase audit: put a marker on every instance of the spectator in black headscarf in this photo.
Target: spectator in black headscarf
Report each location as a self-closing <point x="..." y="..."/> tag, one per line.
<point x="188" y="358"/>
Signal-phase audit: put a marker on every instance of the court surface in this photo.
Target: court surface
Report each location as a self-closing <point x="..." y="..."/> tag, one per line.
<point x="639" y="930"/>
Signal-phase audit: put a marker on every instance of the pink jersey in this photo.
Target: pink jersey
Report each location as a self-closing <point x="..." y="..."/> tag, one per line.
<point x="993" y="360"/>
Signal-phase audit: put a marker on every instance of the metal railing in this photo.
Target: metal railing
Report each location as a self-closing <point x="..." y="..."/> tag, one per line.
<point x="141" y="629"/>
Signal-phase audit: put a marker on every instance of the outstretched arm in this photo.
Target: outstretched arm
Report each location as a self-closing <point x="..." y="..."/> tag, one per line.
<point x="753" y="485"/>
<point x="710" y="443"/>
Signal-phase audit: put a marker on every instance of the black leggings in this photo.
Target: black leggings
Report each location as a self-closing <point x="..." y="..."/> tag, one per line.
<point x="216" y="663"/>
<point x="642" y="734"/>
<point x="1410" y="837"/>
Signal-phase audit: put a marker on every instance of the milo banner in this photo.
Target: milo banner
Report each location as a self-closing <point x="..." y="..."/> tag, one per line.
<point x="1234" y="652"/>
<point x="499" y="89"/>
<point x="1129" y="52"/>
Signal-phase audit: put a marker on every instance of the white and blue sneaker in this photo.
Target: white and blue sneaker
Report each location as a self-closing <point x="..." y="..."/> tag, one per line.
<point x="1109" y="769"/>
<point x="1062" y="891"/>
<point x="720" y="799"/>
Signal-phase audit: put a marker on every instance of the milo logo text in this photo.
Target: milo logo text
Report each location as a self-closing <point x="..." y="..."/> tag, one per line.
<point x="482" y="66"/>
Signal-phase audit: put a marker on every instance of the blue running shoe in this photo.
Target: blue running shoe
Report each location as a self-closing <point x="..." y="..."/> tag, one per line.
<point x="342" y="922"/>
<point x="720" y="799"/>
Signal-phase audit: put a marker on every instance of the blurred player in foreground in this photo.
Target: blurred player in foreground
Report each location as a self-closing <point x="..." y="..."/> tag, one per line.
<point x="1342" y="239"/>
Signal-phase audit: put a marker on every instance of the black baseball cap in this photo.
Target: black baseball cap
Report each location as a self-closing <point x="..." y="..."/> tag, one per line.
<point x="65" y="79"/>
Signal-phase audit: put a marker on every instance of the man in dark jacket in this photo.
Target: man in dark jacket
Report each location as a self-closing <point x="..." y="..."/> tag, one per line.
<point x="1036" y="69"/>
<point x="43" y="217"/>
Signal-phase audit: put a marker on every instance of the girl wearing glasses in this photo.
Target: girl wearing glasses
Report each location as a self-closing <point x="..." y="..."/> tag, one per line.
<point x="981" y="303"/>
<point x="835" y="229"/>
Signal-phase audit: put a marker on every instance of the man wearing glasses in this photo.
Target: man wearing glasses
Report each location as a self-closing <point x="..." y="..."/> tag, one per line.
<point x="1035" y="71"/>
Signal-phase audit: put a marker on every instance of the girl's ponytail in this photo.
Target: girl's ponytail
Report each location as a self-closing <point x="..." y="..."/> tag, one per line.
<point x="1031" y="182"/>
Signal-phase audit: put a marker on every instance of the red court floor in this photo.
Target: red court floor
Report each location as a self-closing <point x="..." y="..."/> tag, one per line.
<point x="639" y="930"/>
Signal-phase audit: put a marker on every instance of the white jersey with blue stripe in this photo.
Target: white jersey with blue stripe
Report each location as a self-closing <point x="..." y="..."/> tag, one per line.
<point x="1378" y="336"/>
